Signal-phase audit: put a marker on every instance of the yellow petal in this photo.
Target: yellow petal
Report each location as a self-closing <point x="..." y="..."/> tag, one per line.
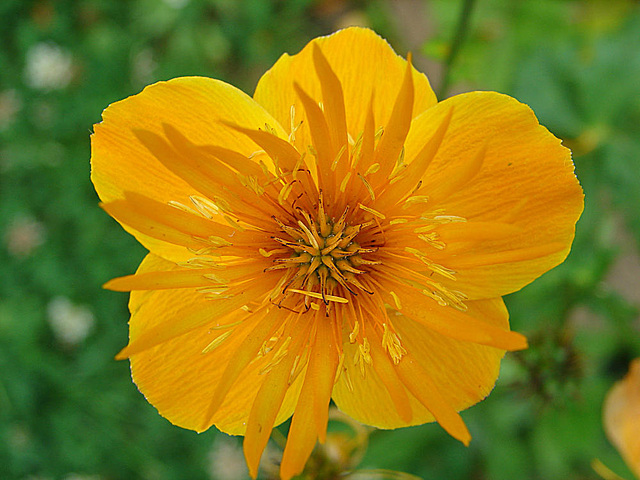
<point x="163" y="222"/>
<point x="179" y="379"/>
<point x="362" y="61"/>
<point x="220" y="275"/>
<point x="420" y="383"/>
<point x="332" y="98"/>
<point x="162" y="280"/>
<point x="244" y="355"/>
<point x="194" y="106"/>
<point x="322" y="371"/>
<point x="389" y="377"/>
<point x="301" y="438"/>
<point x="321" y="141"/>
<point x="464" y="372"/>
<point x="395" y="131"/>
<point x="506" y="168"/>
<point x="269" y="400"/>
<point x="415" y="170"/>
<point x="367" y="399"/>
<point x="484" y="322"/>
<point x="311" y="415"/>
<point x="158" y="316"/>
<point x="622" y="417"/>
<point x="209" y="170"/>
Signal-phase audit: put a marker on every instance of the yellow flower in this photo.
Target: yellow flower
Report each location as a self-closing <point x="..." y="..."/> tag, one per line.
<point x="622" y="417"/>
<point x="341" y="235"/>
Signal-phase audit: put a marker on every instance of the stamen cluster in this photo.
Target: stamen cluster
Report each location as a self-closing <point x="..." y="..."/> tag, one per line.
<point x="324" y="258"/>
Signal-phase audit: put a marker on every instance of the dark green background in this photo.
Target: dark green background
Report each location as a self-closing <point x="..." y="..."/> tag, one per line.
<point x="69" y="411"/>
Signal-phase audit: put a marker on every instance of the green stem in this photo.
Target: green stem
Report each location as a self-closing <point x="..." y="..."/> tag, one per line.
<point x="456" y="43"/>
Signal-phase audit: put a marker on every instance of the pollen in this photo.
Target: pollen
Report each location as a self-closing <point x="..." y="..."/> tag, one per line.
<point x="324" y="258"/>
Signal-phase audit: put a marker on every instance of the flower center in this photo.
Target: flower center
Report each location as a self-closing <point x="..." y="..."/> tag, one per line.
<point x="324" y="261"/>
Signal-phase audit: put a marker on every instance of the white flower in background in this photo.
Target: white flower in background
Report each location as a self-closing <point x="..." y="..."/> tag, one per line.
<point x="48" y="66"/>
<point x="226" y="460"/>
<point x="23" y="235"/>
<point x="82" y="476"/>
<point x="70" y="323"/>
<point x="143" y="66"/>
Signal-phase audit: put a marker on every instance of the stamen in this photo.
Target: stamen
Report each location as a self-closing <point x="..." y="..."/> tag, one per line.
<point x="363" y="356"/>
<point x="310" y="236"/>
<point x="356" y="150"/>
<point x="233" y="223"/>
<point x="323" y="256"/>
<point x="218" y="242"/>
<point x="368" y="187"/>
<point x="217" y="342"/>
<point x="296" y="369"/>
<point x="330" y="298"/>
<point x="221" y="204"/>
<point x="434" y="267"/>
<point x="269" y="253"/>
<point x="231" y="325"/>
<point x="334" y="164"/>
<point x="256" y="153"/>
<point x="214" y="278"/>
<point x="371" y="211"/>
<point x="443" y="219"/>
<point x="302" y="258"/>
<point x="415" y="199"/>
<point x="182" y="207"/>
<point x="372" y="169"/>
<point x="354" y="333"/>
<point x="205" y="206"/>
<point x="432" y="239"/>
<point x="284" y="193"/>
<point x="345" y="266"/>
<point x="200" y="262"/>
<point x="294" y="127"/>
<point x="297" y="166"/>
<point x="391" y="342"/>
<point x="292" y="232"/>
<point x="396" y="300"/>
<point x="339" y="225"/>
<point x="345" y="181"/>
<point x="251" y="182"/>
<point x="347" y="380"/>
<point x="277" y="357"/>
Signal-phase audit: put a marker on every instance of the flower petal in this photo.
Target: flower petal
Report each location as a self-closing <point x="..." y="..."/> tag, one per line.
<point x="194" y="106"/>
<point x="363" y="63"/>
<point x="179" y="377"/>
<point x="158" y="316"/>
<point x="497" y="164"/>
<point x="367" y="399"/>
<point x="312" y="411"/>
<point x="622" y="416"/>
<point x="302" y="437"/>
<point x="484" y="322"/>
<point x="269" y="399"/>
<point x="462" y="372"/>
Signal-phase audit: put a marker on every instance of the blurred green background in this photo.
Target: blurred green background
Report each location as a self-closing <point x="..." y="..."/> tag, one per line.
<point x="69" y="411"/>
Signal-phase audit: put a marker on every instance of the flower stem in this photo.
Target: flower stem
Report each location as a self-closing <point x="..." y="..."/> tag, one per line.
<point x="456" y="43"/>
